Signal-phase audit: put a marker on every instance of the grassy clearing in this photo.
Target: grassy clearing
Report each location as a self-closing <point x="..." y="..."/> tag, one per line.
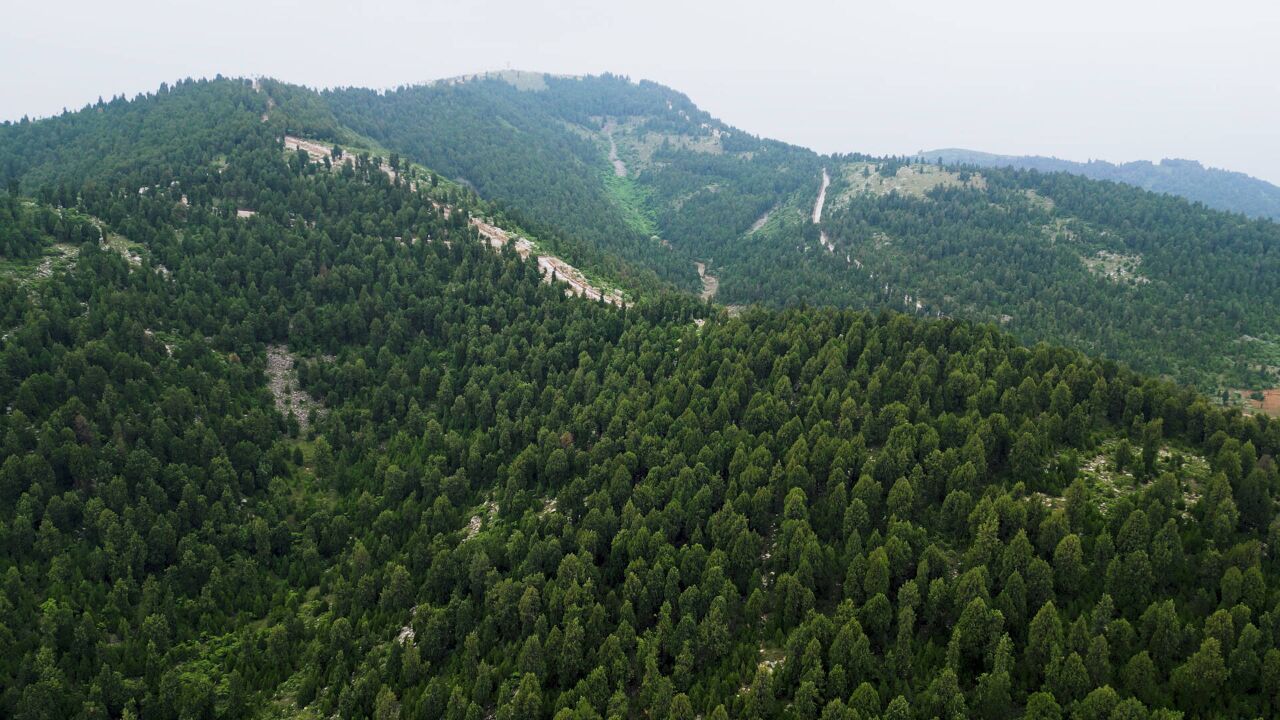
<point x="127" y="248"/>
<point x="1117" y="267"/>
<point x="1107" y="483"/>
<point x="1040" y="201"/>
<point x="1261" y="355"/>
<point x="1250" y="364"/>
<point x="911" y="180"/>
<point x="771" y="658"/>
<point x="522" y="79"/>
<point x="54" y="256"/>
<point x="631" y="200"/>
<point x="25" y="271"/>
<point x="637" y="146"/>
<point x="22" y="270"/>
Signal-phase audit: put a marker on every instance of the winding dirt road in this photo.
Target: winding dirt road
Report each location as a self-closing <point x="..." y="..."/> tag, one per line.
<point x="759" y="223"/>
<point x="822" y="197"/>
<point x="817" y="212"/>
<point x="619" y="167"/>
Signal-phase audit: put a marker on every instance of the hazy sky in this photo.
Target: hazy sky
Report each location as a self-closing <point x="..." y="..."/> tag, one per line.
<point x="1117" y="80"/>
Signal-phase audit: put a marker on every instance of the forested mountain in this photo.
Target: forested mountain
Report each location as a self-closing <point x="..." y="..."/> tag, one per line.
<point x="1166" y="286"/>
<point x="288" y="438"/>
<point x="611" y="163"/>
<point x="1219" y="189"/>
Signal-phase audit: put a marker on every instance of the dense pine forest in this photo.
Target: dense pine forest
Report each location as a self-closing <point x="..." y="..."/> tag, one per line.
<point x="285" y="438"/>
<point x="1165" y="285"/>
<point x="509" y="147"/>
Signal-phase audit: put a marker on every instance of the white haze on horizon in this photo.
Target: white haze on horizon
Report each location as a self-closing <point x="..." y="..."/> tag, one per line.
<point x="1103" y="80"/>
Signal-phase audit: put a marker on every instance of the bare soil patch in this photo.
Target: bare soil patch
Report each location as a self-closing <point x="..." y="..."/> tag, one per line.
<point x="710" y="283"/>
<point x="759" y="223"/>
<point x="1269" y="404"/>
<point x="619" y="167"/>
<point x="490" y="509"/>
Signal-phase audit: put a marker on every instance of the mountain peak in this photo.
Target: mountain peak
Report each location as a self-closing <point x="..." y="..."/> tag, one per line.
<point x="519" y="79"/>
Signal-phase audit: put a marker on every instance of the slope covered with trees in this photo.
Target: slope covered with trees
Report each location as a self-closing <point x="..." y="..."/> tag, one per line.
<point x="146" y="139"/>
<point x="1164" y="285"/>
<point x="510" y="148"/>
<point x="515" y="504"/>
<point x="1216" y="188"/>
<point x="541" y="145"/>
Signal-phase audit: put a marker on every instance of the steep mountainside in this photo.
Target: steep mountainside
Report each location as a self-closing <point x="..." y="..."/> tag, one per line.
<point x="1219" y="189"/>
<point x="1145" y="278"/>
<point x="637" y="169"/>
<point x="633" y="168"/>
<point x="288" y="434"/>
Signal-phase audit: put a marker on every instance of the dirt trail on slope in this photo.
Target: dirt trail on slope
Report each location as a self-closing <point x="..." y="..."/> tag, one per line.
<point x="822" y="197"/>
<point x="817" y="212"/>
<point x="710" y="283"/>
<point x="759" y="223"/>
<point x="271" y="103"/>
<point x="314" y="149"/>
<point x="550" y="266"/>
<point x="619" y="167"/>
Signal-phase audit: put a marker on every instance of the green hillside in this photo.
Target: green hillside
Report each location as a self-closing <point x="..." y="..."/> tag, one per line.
<point x="285" y="437"/>
<point x="617" y="163"/>
<point x="1156" y="282"/>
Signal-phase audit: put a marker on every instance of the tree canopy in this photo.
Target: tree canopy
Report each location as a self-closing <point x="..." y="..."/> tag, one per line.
<point x="468" y="495"/>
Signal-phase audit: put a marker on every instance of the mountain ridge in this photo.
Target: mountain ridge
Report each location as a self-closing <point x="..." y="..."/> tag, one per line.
<point x="1144" y="278"/>
<point x="1218" y="188"/>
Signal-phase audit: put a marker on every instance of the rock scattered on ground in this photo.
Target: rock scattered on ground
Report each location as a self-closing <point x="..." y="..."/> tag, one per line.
<point x="473" y="525"/>
<point x="282" y="379"/>
<point x="710" y="283"/>
<point x="551" y="267"/>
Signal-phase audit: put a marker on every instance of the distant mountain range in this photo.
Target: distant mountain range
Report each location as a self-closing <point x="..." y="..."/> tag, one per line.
<point x="1216" y="188"/>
